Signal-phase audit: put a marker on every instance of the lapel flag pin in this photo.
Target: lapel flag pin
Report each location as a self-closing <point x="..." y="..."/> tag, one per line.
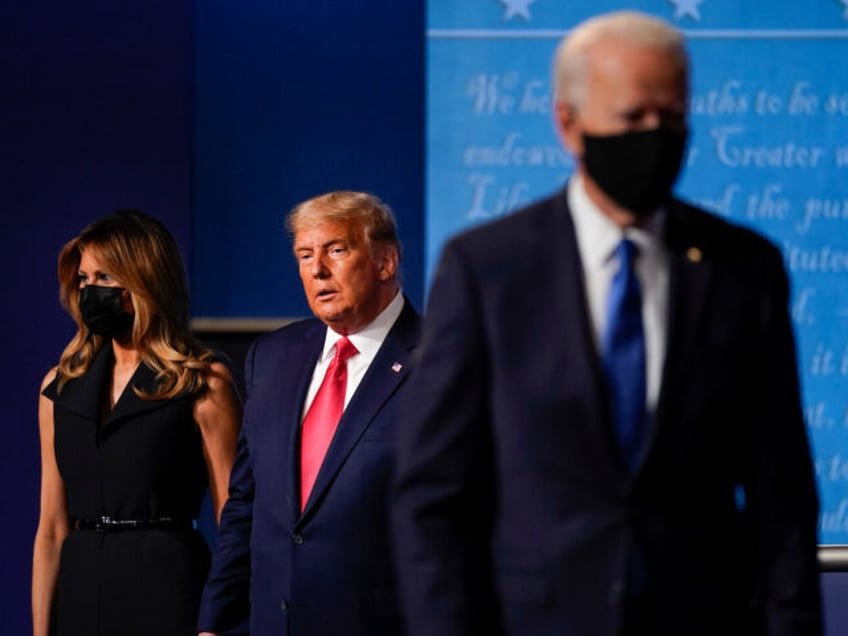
<point x="694" y="254"/>
<point x="396" y="367"/>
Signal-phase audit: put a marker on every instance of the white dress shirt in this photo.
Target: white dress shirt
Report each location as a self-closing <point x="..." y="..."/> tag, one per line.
<point x="597" y="238"/>
<point x="367" y="342"/>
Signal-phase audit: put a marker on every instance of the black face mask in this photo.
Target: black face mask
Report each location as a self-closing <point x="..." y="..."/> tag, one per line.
<point x="102" y="311"/>
<point x="635" y="169"/>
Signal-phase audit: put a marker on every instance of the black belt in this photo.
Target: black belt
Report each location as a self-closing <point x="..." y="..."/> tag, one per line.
<point x="108" y="524"/>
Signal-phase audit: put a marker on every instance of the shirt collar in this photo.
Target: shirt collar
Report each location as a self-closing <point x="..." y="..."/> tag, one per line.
<point x="598" y="236"/>
<point x="368" y="339"/>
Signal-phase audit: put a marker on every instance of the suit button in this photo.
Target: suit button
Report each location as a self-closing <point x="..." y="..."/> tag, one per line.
<point x="284" y="606"/>
<point x="298" y="539"/>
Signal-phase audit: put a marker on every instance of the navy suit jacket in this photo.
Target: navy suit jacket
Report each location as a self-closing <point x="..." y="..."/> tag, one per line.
<point x="514" y="514"/>
<point x="329" y="570"/>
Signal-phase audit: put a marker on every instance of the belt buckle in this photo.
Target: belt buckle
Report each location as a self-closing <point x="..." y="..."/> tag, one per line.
<point x="102" y="524"/>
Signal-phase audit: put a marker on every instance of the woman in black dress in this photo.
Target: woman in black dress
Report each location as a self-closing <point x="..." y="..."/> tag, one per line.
<point x="136" y="422"/>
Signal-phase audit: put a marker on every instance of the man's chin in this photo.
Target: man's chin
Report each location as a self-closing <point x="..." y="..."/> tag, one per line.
<point x="335" y="319"/>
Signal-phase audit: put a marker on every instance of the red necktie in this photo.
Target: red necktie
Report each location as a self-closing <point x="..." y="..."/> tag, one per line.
<point x="323" y="416"/>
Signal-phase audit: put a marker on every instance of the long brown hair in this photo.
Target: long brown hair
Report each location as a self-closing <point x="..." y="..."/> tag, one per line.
<point x="141" y="254"/>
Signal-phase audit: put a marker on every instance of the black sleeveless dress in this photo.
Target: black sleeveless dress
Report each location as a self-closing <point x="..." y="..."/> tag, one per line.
<point x="145" y="462"/>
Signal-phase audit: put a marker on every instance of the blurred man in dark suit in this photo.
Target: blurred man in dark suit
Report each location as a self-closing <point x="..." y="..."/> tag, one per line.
<point x="604" y="434"/>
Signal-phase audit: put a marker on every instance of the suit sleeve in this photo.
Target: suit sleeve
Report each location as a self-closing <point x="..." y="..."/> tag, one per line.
<point x="781" y="490"/>
<point x="225" y="605"/>
<point x="443" y="489"/>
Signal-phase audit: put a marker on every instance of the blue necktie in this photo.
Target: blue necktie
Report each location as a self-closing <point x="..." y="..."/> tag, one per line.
<point x="624" y="353"/>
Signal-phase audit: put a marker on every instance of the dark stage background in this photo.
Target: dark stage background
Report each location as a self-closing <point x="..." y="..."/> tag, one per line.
<point x="107" y="105"/>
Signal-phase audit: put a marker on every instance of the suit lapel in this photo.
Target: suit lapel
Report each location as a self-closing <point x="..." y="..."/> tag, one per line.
<point x="690" y="276"/>
<point x="129" y="404"/>
<point x="294" y="370"/>
<point x="575" y="346"/>
<point x="385" y="374"/>
<point x="84" y="395"/>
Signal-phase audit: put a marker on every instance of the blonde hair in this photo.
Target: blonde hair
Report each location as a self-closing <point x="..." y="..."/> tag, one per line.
<point x="365" y="210"/>
<point x="640" y="29"/>
<point x="140" y="253"/>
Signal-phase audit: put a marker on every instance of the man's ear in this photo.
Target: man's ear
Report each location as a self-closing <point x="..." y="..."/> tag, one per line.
<point x="387" y="261"/>
<point x="567" y="126"/>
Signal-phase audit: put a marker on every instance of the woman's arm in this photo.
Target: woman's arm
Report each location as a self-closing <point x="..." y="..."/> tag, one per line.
<point x="53" y="522"/>
<point x="218" y="415"/>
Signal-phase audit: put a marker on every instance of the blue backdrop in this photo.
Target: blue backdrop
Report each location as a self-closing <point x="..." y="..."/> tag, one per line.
<point x="294" y="99"/>
<point x="768" y="148"/>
